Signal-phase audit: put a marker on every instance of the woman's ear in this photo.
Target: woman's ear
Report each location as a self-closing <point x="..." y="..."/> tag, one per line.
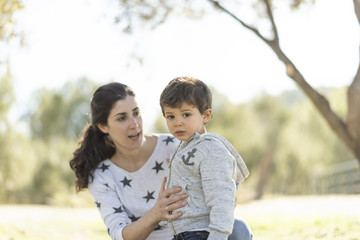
<point x="207" y="115"/>
<point x="102" y="128"/>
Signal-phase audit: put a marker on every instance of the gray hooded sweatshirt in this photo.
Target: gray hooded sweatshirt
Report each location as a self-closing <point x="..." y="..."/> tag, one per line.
<point x="207" y="168"/>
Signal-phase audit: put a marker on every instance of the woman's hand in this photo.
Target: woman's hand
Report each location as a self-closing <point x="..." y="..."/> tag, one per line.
<point x="168" y="202"/>
<point x="161" y="211"/>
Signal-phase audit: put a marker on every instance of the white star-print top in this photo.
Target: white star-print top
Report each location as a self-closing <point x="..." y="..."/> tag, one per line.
<point x="123" y="197"/>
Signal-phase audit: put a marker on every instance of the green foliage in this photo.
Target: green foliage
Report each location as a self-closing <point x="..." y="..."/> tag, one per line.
<point x="6" y="135"/>
<point x="7" y="23"/>
<point x="295" y="4"/>
<point x="160" y="124"/>
<point x="37" y="170"/>
<point x="52" y="174"/>
<point x="61" y="113"/>
<point x="301" y="141"/>
<point x="7" y="96"/>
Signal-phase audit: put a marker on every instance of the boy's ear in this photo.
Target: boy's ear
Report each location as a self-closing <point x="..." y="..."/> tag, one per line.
<point x="102" y="128"/>
<point x="207" y="115"/>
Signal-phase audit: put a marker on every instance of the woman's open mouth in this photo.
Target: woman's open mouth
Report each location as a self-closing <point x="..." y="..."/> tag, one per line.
<point x="135" y="136"/>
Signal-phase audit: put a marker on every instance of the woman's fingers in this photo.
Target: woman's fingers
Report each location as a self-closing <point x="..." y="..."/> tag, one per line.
<point x="171" y="191"/>
<point x="169" y="201"/>
<point x="166" y="193"/>
<point x="176" y="205"/>
<point x="170" y="215"/>
<point x="162" y="188"/>
<point x="173" y="216"/>
<point x="175" y="198"/>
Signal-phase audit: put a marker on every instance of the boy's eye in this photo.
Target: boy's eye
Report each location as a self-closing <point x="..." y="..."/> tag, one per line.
<point x="187" y="114"/>
<point x="169" y="116"/>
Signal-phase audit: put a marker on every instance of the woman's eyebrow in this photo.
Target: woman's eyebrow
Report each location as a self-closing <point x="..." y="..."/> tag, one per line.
<point x="135" y="109"/>
<point x="120" y="114"/>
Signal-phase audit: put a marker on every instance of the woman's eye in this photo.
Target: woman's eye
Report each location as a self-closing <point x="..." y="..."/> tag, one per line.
<point x="137" y="113"/>
<point x="121" y="119"/>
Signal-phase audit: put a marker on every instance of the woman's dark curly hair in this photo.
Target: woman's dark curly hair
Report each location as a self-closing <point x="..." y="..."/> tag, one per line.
<point x="95" y="146"/>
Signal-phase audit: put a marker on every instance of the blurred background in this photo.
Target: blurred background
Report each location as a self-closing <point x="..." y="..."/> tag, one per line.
<point x="286" y="93"/>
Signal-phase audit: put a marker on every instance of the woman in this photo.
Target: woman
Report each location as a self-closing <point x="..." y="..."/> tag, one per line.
<point x="125" y="170"/>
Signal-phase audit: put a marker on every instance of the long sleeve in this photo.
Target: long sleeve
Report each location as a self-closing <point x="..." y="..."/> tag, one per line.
<point x="109" y="205"/>
<point x="217" y="170"/>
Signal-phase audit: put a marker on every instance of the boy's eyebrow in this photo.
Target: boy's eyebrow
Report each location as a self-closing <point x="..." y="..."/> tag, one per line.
<point x="181" y="110"/>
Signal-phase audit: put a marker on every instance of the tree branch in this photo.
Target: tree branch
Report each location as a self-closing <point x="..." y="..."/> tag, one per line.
<point x="357" y="9"/>
<point x="271" y="17"/>
<point x="253" y="29"/>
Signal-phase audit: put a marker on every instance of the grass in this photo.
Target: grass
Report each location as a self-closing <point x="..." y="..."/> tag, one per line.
<point x="44" y="222"/>
<point x="288" y="218"/>
<point x="305" y="218"/>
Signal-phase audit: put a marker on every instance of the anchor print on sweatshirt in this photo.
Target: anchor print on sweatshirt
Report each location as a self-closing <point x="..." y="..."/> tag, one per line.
<point x="189" y="156"/>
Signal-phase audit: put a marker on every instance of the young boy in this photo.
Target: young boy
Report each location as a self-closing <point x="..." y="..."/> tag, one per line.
<point x="206" y="166"/>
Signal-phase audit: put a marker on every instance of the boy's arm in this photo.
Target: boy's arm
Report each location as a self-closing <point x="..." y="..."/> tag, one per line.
<point x="217" y="170"/>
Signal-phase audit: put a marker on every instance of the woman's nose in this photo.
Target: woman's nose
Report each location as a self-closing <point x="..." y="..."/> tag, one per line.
<point x="134" y="122"/>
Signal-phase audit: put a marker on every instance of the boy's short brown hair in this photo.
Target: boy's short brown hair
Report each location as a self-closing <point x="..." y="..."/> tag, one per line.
<point x="188" y="90"/>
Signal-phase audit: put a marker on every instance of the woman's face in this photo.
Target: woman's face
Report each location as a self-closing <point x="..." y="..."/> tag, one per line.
<point x="124" y="124"/>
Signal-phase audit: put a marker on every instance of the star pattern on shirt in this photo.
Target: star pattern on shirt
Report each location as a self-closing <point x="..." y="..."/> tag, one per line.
<point x="126" y="182"/>
<point x="118" y="210"/>
<point x="168" y="140"/>
<point x="104" y="167"/>
<point x="149" y="196"/>
<point x="158" y="167"/>
<point x="157" y="164"/>
<point x="133" y="218"/>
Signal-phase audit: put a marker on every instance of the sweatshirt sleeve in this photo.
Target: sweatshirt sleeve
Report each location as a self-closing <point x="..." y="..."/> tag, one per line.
<point x="109" y="205"/>
<point x="217" y="168"/>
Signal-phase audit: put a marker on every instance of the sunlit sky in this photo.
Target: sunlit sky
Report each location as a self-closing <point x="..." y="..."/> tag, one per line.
<point x="70" y="39"/>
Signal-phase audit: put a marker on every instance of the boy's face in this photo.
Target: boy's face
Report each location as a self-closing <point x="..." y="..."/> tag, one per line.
<point x="185" y="120"/>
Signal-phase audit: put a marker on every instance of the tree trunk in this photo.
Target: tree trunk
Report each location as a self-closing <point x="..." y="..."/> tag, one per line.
<point x="353" y="120"/>
<point x="266" y="161"/>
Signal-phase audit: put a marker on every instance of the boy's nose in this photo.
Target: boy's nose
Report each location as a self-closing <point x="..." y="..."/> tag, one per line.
<point x="178" y="122"/>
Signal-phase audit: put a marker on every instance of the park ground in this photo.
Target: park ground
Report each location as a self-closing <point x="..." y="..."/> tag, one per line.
<point x="272" y="218"/>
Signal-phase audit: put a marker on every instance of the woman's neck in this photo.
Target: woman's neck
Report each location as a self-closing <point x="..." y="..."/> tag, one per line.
<point x="132" y="160"/>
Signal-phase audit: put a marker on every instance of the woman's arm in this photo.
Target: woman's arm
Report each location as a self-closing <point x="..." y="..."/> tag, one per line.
<point x="165" y="203"/>
<point x="118" y="223"/>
